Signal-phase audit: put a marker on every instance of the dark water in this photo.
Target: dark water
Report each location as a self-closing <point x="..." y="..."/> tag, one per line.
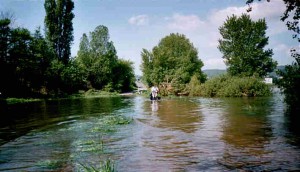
<point x="179" y="134"/>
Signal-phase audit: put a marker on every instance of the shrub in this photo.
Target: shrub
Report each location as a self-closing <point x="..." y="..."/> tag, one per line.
<point x="233" y="86"/>
<point x="194" y="87"/>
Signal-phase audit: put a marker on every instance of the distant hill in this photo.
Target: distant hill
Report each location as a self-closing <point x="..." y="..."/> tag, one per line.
<point x="274" y="74"/>
<point x="214" y="72"/>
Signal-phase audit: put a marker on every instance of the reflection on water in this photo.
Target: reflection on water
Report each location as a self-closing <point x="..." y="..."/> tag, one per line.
<point x="178" y="134"/>
<point x="176" y="115"/>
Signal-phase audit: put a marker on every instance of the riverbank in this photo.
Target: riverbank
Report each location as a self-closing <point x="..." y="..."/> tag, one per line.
<point x="81" y="94"/>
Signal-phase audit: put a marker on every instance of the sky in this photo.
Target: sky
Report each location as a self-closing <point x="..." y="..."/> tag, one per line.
<point x="140" y="24"/>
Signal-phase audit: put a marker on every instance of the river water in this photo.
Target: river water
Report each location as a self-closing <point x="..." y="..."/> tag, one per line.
<point x="173" y="134"/>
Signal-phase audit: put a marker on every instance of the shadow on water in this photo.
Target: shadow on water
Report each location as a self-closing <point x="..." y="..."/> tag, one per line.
<point x="19" y="119"/>
<point x="255" y="133"/>
<point x="292" y="119"/>
<point x="47" y="136"/>
<point x="246" y="132"/>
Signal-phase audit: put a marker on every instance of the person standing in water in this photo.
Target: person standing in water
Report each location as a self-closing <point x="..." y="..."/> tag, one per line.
<point x="154" y="92"/>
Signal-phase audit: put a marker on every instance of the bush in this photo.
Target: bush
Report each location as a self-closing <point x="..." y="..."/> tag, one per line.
<point x="233" y="86"/>
<point x="194" y="87"/>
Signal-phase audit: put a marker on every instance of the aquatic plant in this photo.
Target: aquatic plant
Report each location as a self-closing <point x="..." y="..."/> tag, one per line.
<point x="117" y="120"/>
<point x="98" y="93"/>
<point x="106" y="166"/>
<point x="50" y="164"/>
<point x="21" y="100"/>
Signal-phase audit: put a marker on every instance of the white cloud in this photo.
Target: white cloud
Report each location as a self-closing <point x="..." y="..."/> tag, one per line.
<point x="184" y="22"/>
<point x="271" y="11"/>
<point x="139" y="20"/>
<point x="283" y="53"/>
<point x="203" y="31"/>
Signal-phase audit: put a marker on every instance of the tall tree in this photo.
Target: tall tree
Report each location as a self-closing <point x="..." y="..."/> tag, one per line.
<point x="173" y="60"/>
<point x="43" y="55"/>
<point x="242" y="45"/>
<point x="290" y="81"/>
<point x="59" y="27"/>
<point x="83" y="54"/>
<point x="98" y="57"/>
<point x="4" y="44"/>
<point x="104" y="57"/>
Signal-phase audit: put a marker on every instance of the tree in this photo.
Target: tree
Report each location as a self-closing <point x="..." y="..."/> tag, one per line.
<point x="43" y="55"/>
<point x="83" y="53"/>
<point x="4" y="44"/>
<point x="123" y="76"/>
<point x="243" y="46"/>
<point x="174" y="60"/>
<point x="290" y="81"/>
<point x="59" y="27"/>
<point x="98" y="58"/>
<point x="104" y="56"/>
<point x="24" y="60"/>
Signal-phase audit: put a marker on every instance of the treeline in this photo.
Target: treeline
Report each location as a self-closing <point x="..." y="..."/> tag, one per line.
<point x="26" y="62"/>
<point x="34" y="65"/>
<point x="29" y="66"/>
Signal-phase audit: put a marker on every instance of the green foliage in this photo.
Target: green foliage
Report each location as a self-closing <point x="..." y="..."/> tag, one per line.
<point x="242" y="45"/>
<point x="98" y="59"/>
<point x="20" y="100"/>
<point x="73" y="77"/>
<point x="106" y="166"/>
<point x="59" y="27"/>
<point x="91" y="93"/>
<point x="25" y="60"/>
<point x="194" y="87"/>
<point x="174" y="60"/>
<point x="290" y="84"/>
<point x="232" y="86"/>
<point x="117" y="120"/>
<point x="211" y="87"/>
<point x="290" y="81"/>
<point x="124" y="78"/>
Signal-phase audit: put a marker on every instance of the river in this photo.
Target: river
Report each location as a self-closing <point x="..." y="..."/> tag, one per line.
<point x="173" y="134"/>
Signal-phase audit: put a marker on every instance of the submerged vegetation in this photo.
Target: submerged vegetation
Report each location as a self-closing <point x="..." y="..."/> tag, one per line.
<point x="106" y="166"/>
<point x="105" y="125"/>
<point x="20" y="100"/>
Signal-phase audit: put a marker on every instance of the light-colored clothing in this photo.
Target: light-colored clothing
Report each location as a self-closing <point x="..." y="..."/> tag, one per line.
<point x="154" y="91"/>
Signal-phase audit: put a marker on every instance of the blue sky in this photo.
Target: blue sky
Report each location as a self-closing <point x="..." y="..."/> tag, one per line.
<point x="138" y="24"/>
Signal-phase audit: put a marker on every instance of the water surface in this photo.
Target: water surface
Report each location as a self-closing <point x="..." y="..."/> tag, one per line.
<point x="178" y="134"/>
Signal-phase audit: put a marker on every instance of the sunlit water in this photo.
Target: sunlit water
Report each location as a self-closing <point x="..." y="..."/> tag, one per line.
<point x="176" y="134"/>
